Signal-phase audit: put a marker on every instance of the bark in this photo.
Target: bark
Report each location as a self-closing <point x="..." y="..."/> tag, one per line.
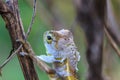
<point x="11" y="16"/>
<point x="91" y="15"/>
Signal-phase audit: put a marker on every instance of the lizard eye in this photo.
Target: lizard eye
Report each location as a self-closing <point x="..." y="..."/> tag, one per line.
<point x="49" y="39"/>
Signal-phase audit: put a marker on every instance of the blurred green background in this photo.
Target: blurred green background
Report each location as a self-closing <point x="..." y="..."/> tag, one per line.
<point x="65" y="8"/>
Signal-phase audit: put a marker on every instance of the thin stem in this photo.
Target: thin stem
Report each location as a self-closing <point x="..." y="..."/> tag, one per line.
<point x="112" y="42"/>
<point x="9" y="58"/>
<point x="33" y="18"/>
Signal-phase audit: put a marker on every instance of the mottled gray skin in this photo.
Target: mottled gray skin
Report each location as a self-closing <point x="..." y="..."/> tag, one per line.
<point x="60" y="49"/>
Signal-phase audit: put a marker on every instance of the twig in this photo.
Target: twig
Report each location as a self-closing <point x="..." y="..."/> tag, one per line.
<point x="16" y="31"/>
<point x="33" y="18"/>
<point x="9" y="58"/>
<point x="112" y="25"/>
<point x="112" y="42"/>
<point x="42" y="65"/>
<point x="35" y="59"/>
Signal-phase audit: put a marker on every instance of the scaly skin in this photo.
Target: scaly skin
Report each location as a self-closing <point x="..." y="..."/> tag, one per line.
<point x="62" y="53"/>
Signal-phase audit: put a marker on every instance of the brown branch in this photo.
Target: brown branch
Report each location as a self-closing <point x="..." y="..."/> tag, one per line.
<point x="11" y="16"/>
<point x="36" y="60"/>
<point x="29" y="50"/>
<point x="90" y="15"/>
<point x="9" y="58"/>
<point x="112" y="42"/>
<point x="14" y="26"/>
<point x="112" y="26"/>
<point x="33" y="17"/>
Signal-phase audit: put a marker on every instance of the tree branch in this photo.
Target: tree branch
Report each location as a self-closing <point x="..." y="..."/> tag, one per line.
<point x="90" y="15"/>
<point x="33" y="17"/>
<point x="11" y="16"/>
<point x="11" y="56"/>
<point x="15" y="28"/>
<point x="112" y="42"/>
<point x="112" y="26"/>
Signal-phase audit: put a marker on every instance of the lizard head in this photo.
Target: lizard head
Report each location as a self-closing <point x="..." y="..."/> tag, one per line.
<point x="57" y="40"/>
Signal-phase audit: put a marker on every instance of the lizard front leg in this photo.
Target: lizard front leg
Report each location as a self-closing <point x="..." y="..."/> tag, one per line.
<point x="47" y="59"/>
